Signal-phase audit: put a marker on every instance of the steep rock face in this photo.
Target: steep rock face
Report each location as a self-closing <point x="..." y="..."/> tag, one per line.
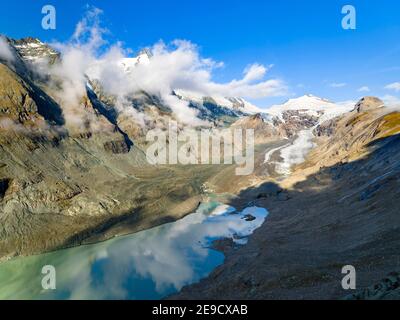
<point x="304" y="113"/>
<point x="326" y="128"/>
<point x="211" y="111"/>
<point x="141" y="112"/>
<point x="296" y="120"/>
<point x="15" y="61"/>
<point x="33" y="50"/>
<point x="16" y="102"/>
<point x="116" y="147"/>
<point x="264" y="130"/>
<point x="351" y="136"/>
<point x="25" y="103"/>
<point x="369" y="104"/>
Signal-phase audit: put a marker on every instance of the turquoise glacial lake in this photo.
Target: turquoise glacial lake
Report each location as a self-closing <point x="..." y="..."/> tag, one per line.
<point x="151" y="264"/>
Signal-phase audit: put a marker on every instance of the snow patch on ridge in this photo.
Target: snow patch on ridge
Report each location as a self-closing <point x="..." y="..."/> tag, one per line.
<point x="128" y="64"/>
<point x="313" y="106"/>
<point x="233" y="103"/>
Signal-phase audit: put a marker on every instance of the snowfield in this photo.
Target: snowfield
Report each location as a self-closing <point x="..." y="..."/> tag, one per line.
<point x="312" y="105"/>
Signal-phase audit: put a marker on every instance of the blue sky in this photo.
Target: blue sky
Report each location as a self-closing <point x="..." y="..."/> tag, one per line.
<point x="304" y="40"/>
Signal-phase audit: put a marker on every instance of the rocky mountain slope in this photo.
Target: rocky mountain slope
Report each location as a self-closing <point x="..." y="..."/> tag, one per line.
<point x="63" y="183"/>
<point x="31" y="50"/>
<point x="74" y="172"/>
<point x="337" y="208"/>
<point x="305" y="112"/>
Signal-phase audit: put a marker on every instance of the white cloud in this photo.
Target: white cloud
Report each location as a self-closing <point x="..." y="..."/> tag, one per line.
<point x="174" y="66"/>
<point x="391" y="101"/>
<point x="364" y="89"/>
<point x="338" y="85"/>
<point x="5" y="51"/>
<point x="393" y="86"/>
<point x="69" y="75"/>
<point x="254" y="72"/>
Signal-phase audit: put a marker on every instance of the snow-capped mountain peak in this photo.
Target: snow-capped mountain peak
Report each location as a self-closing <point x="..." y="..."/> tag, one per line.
<point x="143" y="58"/>
<point x="310" y="105"/>
<point x="33" y="50"/>
<point x="306" y="102"/>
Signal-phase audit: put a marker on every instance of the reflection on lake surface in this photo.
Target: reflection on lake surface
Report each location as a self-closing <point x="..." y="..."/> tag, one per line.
<point x="147" y="265"/>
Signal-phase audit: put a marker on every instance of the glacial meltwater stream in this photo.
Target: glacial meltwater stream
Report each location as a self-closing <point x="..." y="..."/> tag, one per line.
<point x="151" y="264"/>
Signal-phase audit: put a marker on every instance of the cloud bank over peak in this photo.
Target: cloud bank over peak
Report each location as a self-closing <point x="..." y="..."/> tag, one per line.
<point x="174" y="66"/>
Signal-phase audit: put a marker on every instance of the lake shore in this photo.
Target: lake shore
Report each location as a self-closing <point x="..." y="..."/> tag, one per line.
<point x="308" y="237"/>
<point x="157" y="196"/>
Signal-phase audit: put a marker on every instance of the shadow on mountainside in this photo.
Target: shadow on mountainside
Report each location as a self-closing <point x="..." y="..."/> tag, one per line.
<point x="47" y="107"/>
<point x="110" y="114"/>
<point x="347" y="214"/>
